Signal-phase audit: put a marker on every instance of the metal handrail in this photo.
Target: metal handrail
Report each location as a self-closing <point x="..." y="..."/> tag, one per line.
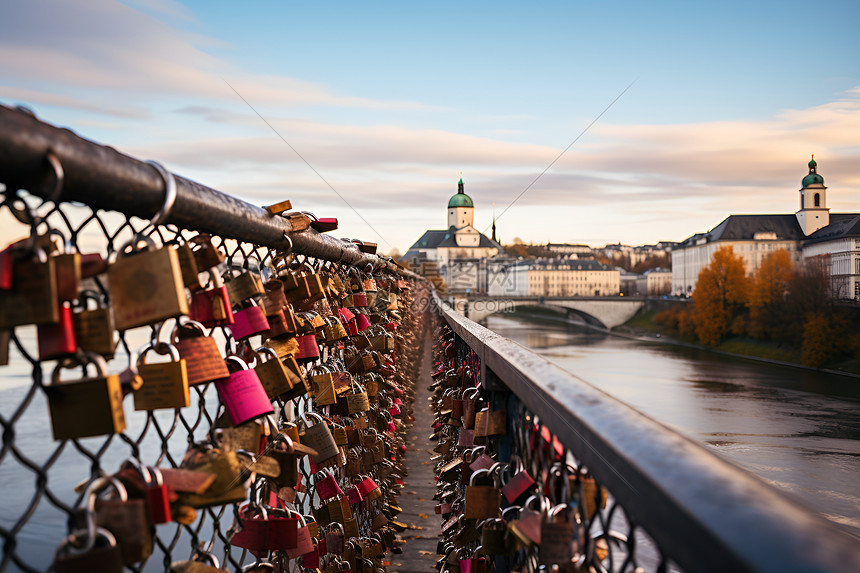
<point x="706" y="513"/>
<point x="104" y="178"/>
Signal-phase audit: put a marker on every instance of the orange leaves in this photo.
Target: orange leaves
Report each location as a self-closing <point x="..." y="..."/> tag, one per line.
<point x="720" y="296"/>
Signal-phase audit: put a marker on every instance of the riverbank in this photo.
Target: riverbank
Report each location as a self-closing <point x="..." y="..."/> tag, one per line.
<point x="644" y="327"/>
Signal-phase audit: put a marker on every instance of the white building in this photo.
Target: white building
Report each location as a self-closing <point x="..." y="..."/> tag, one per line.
<point x="810" y="232"/>
<point x="457" y="250"/>
<point x="553" y="277"/>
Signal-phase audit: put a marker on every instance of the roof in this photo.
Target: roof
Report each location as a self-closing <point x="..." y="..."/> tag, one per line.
<point x="841" y="225"/>
<point x="567" y="265"/>
<point x="435" y="239"/>
<point x="745" y="227"/>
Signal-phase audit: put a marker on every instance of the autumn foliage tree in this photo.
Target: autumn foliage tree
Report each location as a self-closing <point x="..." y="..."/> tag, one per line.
<point x="768" y="296"/>
<point x="720" y="297"/>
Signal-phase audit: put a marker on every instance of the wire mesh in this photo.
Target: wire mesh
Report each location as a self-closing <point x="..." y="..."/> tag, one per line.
<point x="41" y="477"/>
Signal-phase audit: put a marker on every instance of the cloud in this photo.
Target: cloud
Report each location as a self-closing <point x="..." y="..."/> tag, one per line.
<point x="102" y="45"/>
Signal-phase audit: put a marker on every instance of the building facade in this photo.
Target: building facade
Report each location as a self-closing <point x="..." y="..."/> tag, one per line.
<point x="458" y="250"/>
<point x="553" y="277"/>
<point x="810" y="232"/>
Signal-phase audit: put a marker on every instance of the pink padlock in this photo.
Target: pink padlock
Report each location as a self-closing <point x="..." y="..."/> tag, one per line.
<point x="394" y="410"/>
<point x="327" y="487"/>
<point x="362" y="322"/>
<point x="249" y="321"/>
<point x="353" y="495"/>
<point x="243" y="394"/>
<point x="309" y="349"/>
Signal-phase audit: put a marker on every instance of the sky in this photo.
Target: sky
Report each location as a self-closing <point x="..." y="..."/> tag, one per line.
<point x="579" y="122"/>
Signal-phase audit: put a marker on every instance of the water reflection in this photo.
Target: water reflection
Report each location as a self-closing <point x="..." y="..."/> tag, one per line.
<point x="798" y="429"/>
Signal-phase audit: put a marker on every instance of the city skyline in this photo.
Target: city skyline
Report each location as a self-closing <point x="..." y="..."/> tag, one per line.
<point x="389" y="104"/>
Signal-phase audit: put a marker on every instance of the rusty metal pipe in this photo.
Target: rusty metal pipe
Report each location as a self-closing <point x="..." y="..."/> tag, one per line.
<point x="104" y="178"/>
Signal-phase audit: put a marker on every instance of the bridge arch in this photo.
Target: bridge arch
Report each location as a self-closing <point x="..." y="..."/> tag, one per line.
<point x="602" y="312"/>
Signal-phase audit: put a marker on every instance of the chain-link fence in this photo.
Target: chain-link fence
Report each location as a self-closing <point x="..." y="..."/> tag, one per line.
<point x="358" y="322"/>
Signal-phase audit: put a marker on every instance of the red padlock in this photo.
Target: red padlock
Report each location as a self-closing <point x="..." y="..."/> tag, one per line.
<point x="212" y="307"/>
<point x="309" y="349"/>
<point x="157" y="496"/>
<point x="262" y="532"/>
<point x="327" y="486"/>
<point x="517" y="485"/>
<point x="58" y="340"/>
<point x="304" y="542"/>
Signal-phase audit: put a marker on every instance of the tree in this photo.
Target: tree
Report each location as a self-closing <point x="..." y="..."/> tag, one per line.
<point x="720" y="296"/>
<point x="769" y="291"/>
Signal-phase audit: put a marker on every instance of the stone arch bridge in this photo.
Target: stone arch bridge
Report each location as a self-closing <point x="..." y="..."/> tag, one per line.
<point x="600" y="311"/>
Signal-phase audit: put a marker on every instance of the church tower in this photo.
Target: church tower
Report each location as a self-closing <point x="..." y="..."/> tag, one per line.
<point x="461" y="209"/>
<point x="814" y="213"/>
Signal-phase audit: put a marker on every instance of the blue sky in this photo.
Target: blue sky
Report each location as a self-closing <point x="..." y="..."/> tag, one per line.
<point x="390" y="102"/>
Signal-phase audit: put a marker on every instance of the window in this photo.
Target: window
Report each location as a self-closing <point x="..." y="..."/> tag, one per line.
<point x="817" y="200"/>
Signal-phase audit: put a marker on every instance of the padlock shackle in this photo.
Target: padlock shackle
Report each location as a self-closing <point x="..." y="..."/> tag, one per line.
<point x="81" y="358"/>
<point x="185" y="322"/>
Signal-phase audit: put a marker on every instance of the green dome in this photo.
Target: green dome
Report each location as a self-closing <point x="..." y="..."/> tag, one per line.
<point x="460" y="199"/>
<point x="811" y="179"/>
<point x="813" y="176"/>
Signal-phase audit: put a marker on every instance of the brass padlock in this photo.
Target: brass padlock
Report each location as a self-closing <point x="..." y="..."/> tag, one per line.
<point x="165" y="384"/>
<point x="85" y="407"/>
<point x="32" y="298"/>
<point x="146" y="285"/>
<point x="94" y="327"/>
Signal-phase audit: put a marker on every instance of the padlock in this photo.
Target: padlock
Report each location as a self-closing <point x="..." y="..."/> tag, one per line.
<point x="357" y="400"/>
<point x="299" y="381"/>
<point x="146" y="285"/>
<point x="556" y="537"/>
<point x="311" y="559"/>
<point x="187" y="265"/>
<point x="126" y="518"/>
<point x="309" y="349"/>
<point x="157" y="496"/>
<point x="94" y="328"/>
<point x="362" y="322"/>
<point x="203" y="360"/>
<point x="368" y="488"/>
<point x="85" y="407"/>
<point x="273" y="300"/>
<point x="322" y="385"/>
<point x="334" y="330"/>
<point x="32" y="298"/>
<point x="67" y="261"/>
<point x="57" y="340"/>
<point x="272" y="373"/>
<point x="281" y="323"/>
<point x="318" y="436"/>
<point x="304" y="542"/>
<point x="250" y="321"/>
<point x="335" y="538"/>
<point x="206" y="255"/>
<point x="262" y="532"/>
<point x="98" y="552"/>
<point x="517" y="485"/>
<point x="212" y="307"/>
<point x="527" y="527"/>
<point x="482" y="501"/>
<point x="223" y="471"/>
<point x="243" y="287"/>
<point x="326" y="486"/>
<point x="242" y="394"/>
<point x="165" y="384"/>
<point x="203" y="562"/>
<point x="493" y="536"/>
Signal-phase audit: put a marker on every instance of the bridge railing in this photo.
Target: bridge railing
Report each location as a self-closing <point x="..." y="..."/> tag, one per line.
<point x="55" y="184"/>
<point x="671" y="504"/>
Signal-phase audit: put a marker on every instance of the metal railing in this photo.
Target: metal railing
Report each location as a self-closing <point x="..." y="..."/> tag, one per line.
<point x="98" y="199"/>
<point x="671" y="502"/>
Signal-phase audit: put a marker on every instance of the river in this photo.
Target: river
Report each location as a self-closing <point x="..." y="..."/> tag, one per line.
<point x="796" y="428"/>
